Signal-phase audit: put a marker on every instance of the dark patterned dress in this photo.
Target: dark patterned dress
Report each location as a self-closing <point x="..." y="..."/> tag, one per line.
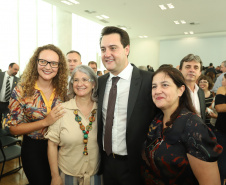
<point x="165" y="151"/>
<point x="208" y="102"/>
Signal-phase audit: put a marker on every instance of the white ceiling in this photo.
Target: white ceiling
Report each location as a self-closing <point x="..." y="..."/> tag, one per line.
<point x="144" y="17"/>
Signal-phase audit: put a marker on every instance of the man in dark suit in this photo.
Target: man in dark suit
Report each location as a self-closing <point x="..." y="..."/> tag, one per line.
<point x="190" y="67"/>
<point x="12" y="71"/>
<point x="132" y="112"/>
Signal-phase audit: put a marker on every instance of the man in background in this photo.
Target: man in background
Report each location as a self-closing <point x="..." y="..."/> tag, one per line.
<point x="99" y="73"/>
<point x="218" y="83"/>
<point x="93" y="65"/>
<point x="8" y="81"/>
<point x="106" y="71"/>
<point x="210" y="68"/>
<point x="73" y="59"/>
<point x="190" y="67"/>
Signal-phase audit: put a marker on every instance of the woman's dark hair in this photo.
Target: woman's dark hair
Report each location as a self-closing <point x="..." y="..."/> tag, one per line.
<point x="211" y="75"/>
<point x="185" y="100"/>
<point x="209" y="80"/>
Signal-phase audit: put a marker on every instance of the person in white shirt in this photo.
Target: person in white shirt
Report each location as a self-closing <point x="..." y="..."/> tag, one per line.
<point x="190" y="67"/>
<point x="122" y="128"/>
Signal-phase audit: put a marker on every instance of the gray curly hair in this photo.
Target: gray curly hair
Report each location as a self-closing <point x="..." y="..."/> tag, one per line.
<point x="89" y="72"/>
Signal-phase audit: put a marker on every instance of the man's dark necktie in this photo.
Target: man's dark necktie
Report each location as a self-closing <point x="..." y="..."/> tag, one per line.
<point x="7" y="90"/>
<point x="110" y="116"/>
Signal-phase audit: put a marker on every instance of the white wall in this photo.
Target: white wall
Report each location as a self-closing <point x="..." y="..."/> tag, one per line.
<point x="63" y="30"/>
<point x="210" y="49"/>
<point x="144" y="52"/>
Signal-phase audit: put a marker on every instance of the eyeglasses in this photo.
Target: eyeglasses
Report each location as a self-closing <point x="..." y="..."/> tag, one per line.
<point x="203" y="82"/>
<point x="43" y="62"/>
<point x="83" y="80"/>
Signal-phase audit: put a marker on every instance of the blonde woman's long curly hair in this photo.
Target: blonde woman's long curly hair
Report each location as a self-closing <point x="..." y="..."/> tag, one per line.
<point x="30" y="74"/>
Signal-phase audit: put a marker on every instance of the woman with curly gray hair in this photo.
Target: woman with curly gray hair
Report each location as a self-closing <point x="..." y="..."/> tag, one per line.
<point x="77" y="160"/>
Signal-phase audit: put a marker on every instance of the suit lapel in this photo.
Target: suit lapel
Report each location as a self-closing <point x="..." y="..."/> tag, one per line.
<point x="133" y="92"/>
<point x="14" y="83"/>
<point x="2" y="74"/>
<point x="202" y="103"/>
<point x="101" y="89"/>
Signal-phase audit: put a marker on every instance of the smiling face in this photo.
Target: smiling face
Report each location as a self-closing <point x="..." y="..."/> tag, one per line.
<point x="82" y="85"/>
<point x="47" y="73"/>
<point x="204" y="84"/>
<point x="165" y="93"/>
<point x="191" y="71"/>
<point x="113" y="54"/>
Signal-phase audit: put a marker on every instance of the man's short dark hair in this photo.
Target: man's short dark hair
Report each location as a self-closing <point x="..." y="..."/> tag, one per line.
<point x="211" y="64"/>
<point x="73" y="51"/>
<point x="92" y="62"/>
<point x="11" y="64"/>
<point x="98" y="72"/>
<point x="189" y="58"/>
<point x="124" y="37"/>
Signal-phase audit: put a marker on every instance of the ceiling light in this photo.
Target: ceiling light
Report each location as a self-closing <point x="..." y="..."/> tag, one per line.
<point x="191" y="32"/>
<point x="143" y="36"/>
<point x="176" y="22"/>
<point x="170" y="5"/>
<point x="185" y="33"/>
<point x="162" y="7"/>
<point x="182" y="22"/>
<point x="104" y="21"/>
<point x="123" y="27"/>
<point x="104" y="16"/>
<point x="99" y="17"/>
<point x="73" y="1"/>
<point x="66" y="2"/>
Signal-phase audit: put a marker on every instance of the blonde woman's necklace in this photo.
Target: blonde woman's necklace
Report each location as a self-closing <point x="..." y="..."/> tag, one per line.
<point x="84" y="129"/>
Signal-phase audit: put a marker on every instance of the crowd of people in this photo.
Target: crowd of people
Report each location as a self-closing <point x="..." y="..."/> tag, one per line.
<point x="130" y="126"/>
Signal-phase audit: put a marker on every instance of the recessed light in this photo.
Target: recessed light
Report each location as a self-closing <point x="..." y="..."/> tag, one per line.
<point x="143" y="36"/>
<point x="104" y="16"/>
<point x="191" y="32"/>
<point x="170" y="6"/>
<point x="99" y="17"/>
<point x="176" y="22"/>
<point x="124" y="28"/>
<point x="186" y="33"/>
<point x="73" y="1"/>
<point x="162" y="7"/>
<point x="182" y="21"/>
<point x="66" y="2"/>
